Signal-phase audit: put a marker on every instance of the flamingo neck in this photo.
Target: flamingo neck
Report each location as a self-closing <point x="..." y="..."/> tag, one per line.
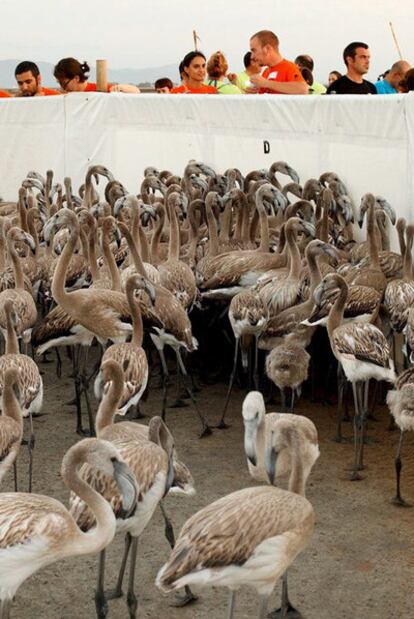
<point x="111" y="264"/>
<point x="372" y="237"/>
<point x="59" y="293"/>
<point x="11" y="407"/>
<point x="297" y="481"/>
<point x="315" y="274"/>
<point x="22" y="214"/>
<point x="93" y="261"/>
<point x="213" y="244"/>
<point x="408" y="261"/>
<point x="136" y="258"/>
<point x="137" y="326"/>
<point x="155" y="241"/>
<point x="174" y="244"/>
<point x="139" y="235"/>
<point x="336" y="313"/>
<point x="295" y="260"/>
<point x="100" y="535"/>
<point x="17" y="267"/>
<point x="264" y="225"/>
<point x="12" y="345"/>
<point x="109" y="405"/>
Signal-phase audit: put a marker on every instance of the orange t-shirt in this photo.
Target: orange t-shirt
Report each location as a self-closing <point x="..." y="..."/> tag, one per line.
<point x="203" y="90"/>
<point x="4" y="94"/>
<point x="91" y="87"/>
<point x="48" y="92"/>
<point x="285" y="71"/>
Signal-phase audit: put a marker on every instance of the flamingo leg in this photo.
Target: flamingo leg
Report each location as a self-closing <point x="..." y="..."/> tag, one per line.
<point x="132" y="600"/>
<point x="58" y="363"/>
<point x="339" y="413"/>
<point x="264" y="599"/>
<point x="101" y="605"/>
<point x="5" y="607"/>
<point x="292" y="401"/>
<point x="221" y="424"/>
<point x="205" y="428"/>
<point x="283" y="400"/>
<point x="256" y="364"/>
<point x="232" y="604"/>
<point x="165" y="378"/>
<point x="179" y="402"/>
<point x="169" y="534"/>
<point x="117" y="592"/>
<point x="15" y="476"/>
<point x="356" y="389"/>
<point x="398" y="500"/>
<point x="30" y="446"/>
<point x="286" y="609"/>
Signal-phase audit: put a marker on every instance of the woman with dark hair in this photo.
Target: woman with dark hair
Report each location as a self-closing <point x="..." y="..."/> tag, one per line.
<point x="407" y="83"/>
<point x="73" y="77"/>
<point x="333" y="76"/>
<point x="217" y="69"/>
<point x="194" y="74"/>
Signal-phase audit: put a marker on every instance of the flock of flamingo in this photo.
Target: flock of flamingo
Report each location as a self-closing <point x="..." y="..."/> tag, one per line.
<point x="112" y="280"/>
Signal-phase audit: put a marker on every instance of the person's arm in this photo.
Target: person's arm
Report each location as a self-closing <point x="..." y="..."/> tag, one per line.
<point x="129" y="88"/>
<point x="286" y="88"/>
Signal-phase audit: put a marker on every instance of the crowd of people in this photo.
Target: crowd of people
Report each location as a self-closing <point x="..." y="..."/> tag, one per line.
<point x="265" y="71"/>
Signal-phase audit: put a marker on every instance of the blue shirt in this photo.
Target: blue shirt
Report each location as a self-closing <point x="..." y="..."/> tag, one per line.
<point x="384" y="88"/>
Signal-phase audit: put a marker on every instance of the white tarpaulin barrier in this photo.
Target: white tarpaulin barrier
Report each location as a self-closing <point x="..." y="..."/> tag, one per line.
<point x="368" y="141"/>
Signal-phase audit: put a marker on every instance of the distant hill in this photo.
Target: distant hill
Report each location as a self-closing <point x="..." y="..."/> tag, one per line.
<point x="121" y="76"/>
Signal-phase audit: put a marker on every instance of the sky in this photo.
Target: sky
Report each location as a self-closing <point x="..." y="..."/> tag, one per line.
<point x="134" y="33"/>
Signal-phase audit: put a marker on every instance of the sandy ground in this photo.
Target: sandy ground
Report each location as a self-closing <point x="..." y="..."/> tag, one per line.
<point x="359" y="564"/>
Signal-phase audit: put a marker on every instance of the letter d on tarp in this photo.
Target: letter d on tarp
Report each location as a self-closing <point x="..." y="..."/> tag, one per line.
<point x="266" y="147"/>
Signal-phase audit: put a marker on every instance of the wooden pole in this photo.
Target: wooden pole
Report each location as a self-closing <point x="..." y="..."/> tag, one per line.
<point x="102" y="75"/>
<point x="395" y="41"/>
<point x="196" y="38"/>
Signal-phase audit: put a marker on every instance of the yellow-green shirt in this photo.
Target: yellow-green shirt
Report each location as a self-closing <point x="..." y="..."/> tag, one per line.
<point x="317" y="89"/>
<point x="224" y="88"/>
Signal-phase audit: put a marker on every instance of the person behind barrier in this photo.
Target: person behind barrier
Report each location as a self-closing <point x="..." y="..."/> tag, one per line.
<point x="304" y="61"/>
<point x="194" y="70"/>
<point x="407" y="84"/>
<point x="356" y="57"/>
<point x="242" y="80"/>
<point x="280" y="76"/>
<point x="308" y="77"/>
<point x="29" y="81"/>
<point x="333" y="76"/>
<point x="390" y="84"/>
<point x="73" y="77"/>
<point x="217" y="69"/>
<point x="163" y="85"/>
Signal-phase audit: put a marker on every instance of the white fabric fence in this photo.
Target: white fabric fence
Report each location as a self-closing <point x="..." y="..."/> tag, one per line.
<point x="368" y="141"/>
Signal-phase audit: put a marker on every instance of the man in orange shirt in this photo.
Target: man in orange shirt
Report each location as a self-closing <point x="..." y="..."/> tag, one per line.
<point x="28" y="78"/>
<point x="280" y="75"/>
<point x="194" y="74"/>
<point x="4" y="94"/>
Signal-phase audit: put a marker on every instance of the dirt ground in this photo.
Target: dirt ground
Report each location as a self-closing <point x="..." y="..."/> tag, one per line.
<point x="359" y="564"/>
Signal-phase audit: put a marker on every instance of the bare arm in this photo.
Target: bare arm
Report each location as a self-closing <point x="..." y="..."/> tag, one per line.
<point x="286" y="88"/>
<point x="125" y="88"/>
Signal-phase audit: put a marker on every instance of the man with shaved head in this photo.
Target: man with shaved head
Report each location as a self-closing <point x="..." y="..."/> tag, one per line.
<point x="390" y="85"/>
<point x="280" y="75"/>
